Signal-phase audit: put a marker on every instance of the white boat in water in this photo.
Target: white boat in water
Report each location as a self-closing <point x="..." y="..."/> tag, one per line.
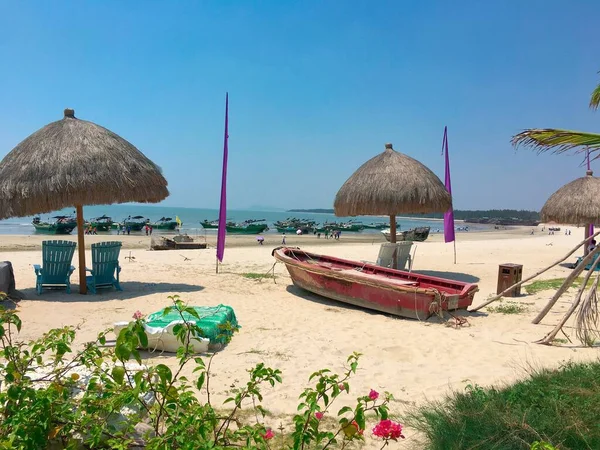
<point x="418" y="234"/>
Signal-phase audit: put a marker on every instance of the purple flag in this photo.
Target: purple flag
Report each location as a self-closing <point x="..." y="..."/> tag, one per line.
<point x="589" y="168"/>
<point x="448" y="215"/>
<point x="223" y="207"/>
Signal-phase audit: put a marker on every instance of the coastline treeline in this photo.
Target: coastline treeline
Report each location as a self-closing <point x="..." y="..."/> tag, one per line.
<point x="459" y="214"/>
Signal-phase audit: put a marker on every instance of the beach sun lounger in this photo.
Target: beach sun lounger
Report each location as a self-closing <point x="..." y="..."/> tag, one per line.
<point x="105" y="266"/>
<point x="56" y="268"/>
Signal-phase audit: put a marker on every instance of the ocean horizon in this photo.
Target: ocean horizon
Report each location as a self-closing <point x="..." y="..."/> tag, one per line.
<point x="191" y="218"/>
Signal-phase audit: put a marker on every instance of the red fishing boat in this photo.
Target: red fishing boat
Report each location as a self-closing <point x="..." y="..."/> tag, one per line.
<point x="390" y="291"/>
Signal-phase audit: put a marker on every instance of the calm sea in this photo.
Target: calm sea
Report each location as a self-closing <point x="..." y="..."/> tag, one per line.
<point x="191" y="218"/>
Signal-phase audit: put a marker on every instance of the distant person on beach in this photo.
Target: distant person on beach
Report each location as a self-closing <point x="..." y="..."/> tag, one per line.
<point x="128" y="230"/>
<point x="283" y="239"/>
<point x="592" y="246"/>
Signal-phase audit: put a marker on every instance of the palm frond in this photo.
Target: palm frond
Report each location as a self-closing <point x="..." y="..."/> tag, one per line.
<point x="595" y="100"/>
<point x="557" y="141"/>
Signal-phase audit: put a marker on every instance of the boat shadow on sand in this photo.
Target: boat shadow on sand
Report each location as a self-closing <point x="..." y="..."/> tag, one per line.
<point x="131" y="289"/>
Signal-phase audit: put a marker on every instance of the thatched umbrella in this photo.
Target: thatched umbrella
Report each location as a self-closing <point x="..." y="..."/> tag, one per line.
<point x="389" y="184"/>
<point x="576" y="203"/>
<point x="73" y="162"/>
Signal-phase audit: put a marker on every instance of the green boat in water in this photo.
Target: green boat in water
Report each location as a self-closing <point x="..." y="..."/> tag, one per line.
<point x="135" y="223"/>
<point x="212" y="224"/>
<point x="247" y="227"/>
<point x="62" y="225"/>
<point x="164" y="223"/>
<point x="102" y="223"/>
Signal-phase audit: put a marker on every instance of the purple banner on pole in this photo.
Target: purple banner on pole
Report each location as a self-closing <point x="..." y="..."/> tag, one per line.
<point x="448" y="215"/>
<point x="223" y="207"/>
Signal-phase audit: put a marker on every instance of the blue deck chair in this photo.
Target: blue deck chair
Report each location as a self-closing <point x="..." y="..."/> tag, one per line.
<point x="105" y="266"/>
<point x="56" y="268"/>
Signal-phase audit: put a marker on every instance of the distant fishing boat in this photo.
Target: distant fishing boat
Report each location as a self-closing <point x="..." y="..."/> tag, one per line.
<point x="62" y="225"/>
<point x="135" y="223"/>
<point x="293" y="225"/>
<point x="334" y="226"/>
<point x="102" y="223"/>
<point x="247" y="227"/>
<point x="418" y="234"/>
<point x="211" y="224"/>
<point x="376" y="226"/>
<point x="164" y="223"/>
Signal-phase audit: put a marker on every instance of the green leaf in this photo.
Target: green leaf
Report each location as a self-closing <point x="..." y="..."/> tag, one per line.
<point x="360" y="418"/>
<point x="383" y="412"/>
<point x="123" y="351"/>
<point x="201" y="380"/>
<point x="164" y="373"/>
<point x="143" y="337"/>
<point x="192" y="312"/>
<point x="118" y="374"/>
<point x="344" y="410"/>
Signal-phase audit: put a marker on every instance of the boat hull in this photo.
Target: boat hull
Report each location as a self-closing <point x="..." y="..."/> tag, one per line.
<point x="54" y="228"/>
<point x="101" y="226"/>
<point x="209" y="225"/>
<point x="164" y="225"/>
<point x="250" y="229"/>
<point x="377" y="288"/>
<point x="134" y="226"/>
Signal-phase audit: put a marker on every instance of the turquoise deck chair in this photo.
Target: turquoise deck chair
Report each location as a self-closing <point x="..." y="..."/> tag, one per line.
<point x="56" y="268"/>
<point x="105" y="266"/>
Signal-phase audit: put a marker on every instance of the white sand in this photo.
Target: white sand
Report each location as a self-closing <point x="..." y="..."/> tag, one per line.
<point x="299" y="333"/>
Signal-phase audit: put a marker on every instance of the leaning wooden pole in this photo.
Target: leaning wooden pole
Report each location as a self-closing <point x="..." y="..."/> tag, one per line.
<point x="506" y="291"/>
<point x="550" y="336"/>
<point x="81" y="250"/>
<point x="568" y="282"/>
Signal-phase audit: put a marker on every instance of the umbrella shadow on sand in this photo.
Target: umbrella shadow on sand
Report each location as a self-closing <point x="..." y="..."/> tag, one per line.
<point x="456" y="276"/>
<point x="131" y="289"/>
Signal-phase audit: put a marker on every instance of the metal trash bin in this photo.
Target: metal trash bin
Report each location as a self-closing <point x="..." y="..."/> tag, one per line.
<point x="509" y="274"/>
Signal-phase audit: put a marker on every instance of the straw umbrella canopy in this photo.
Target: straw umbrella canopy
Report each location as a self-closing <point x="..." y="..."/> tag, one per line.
<point x="389" y="184"/>
<point x="73" y="162"/>
<point x="576" y="203"/>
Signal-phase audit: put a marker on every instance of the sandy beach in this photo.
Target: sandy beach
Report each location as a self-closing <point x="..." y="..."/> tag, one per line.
<point x="298" y="332"/>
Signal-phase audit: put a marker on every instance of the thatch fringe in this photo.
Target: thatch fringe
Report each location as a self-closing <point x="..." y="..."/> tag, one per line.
<point x="392" y="183"/>
<point x="575" y="203"/>
<point x="71" y="162"/>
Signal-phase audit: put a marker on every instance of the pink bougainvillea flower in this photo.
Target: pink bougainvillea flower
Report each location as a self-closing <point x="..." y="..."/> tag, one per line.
<point x="388" y="429"/>
<point x="137" y="315"/>
<point x="319" y="415"/>
<point x="373" y="395"/>
<point x="269" y="434"/>
<point x="341" y="386"/>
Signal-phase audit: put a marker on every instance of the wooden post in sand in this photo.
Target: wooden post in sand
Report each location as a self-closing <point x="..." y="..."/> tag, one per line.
<point x="81" y="250"/>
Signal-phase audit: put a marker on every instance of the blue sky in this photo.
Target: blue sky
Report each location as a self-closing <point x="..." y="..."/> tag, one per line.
<point x="316" y="89"/>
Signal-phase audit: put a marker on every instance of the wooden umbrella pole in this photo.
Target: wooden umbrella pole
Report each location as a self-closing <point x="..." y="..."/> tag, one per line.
<point x="506" y="291"/>
<point x="81" y="248"/>
<point x="393" y="240"/>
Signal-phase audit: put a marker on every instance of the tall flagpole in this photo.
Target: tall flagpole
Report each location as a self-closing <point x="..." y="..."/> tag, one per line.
<point x="449" y="234"/>
<point x="221" y="232"/>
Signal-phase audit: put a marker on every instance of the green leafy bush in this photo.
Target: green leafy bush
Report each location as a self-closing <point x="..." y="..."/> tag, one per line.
<point x="104" y="397"/>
